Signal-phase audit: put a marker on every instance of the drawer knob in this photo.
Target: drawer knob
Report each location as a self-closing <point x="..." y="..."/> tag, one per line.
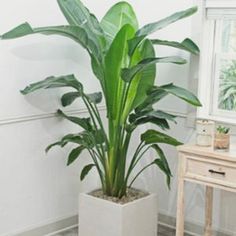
<point x="217" y="172"/>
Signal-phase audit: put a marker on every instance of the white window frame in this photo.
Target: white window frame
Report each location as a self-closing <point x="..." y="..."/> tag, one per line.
<point x="209" y="62"/>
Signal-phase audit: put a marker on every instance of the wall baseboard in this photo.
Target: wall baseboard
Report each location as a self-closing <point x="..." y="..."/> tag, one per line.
<point x="48" y="229"/>
<point x="71" y="222"/>
<point x="190" y="228"/>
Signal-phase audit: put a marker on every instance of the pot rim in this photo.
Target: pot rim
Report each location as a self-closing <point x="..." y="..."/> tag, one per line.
<point x="149" y="196"/>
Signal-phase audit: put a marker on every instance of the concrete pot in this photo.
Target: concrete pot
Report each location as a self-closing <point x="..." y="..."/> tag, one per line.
<point x="98" y="217"/>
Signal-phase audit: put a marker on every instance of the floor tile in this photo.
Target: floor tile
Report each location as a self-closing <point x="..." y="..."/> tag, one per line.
<point x="162" y="231"/>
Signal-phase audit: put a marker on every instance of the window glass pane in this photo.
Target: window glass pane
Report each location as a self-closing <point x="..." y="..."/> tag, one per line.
<point x="225" y="67"/>
<point x="227" y="84"/>
<point x="228" y="36"/>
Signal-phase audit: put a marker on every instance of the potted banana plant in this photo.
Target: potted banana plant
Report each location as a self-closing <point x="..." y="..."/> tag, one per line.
<point x="123" y="60"/>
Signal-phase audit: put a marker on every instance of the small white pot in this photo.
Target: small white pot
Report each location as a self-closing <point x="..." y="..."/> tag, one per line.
<point x="98" y="217"/>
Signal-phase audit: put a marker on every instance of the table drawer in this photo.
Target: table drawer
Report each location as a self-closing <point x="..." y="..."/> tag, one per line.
<point x="213" y="171"/>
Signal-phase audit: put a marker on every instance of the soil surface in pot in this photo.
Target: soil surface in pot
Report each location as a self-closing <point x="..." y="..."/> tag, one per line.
<point x="132" y="195"/>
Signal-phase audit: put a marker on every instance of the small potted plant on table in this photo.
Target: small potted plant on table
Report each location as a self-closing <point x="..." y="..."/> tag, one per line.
<point x="222" y="138"/>
<point x="123" y="60"/>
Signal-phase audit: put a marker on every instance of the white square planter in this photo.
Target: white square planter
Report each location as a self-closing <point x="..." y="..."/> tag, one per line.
<point x="98" y="217"/>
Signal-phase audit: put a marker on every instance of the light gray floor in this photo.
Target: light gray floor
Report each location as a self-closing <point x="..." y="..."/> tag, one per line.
<point x="163" y="231"/>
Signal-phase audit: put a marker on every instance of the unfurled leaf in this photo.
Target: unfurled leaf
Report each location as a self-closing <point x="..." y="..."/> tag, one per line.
<point x="19" y="31"/>
<point x="163" y="115"/>
<point x="68" y="98"/>
<point x="187" y="45"/>
<point x="74" y="154"/>
<point x="161" y="165"/>
<point x="59" y="143"/>
<point x="85" y="171"/>
<point x="128" y="74"/>
<point x="152" y="113"/>
<point x="162" y="157"/>
<point x="77" y="14"/>
<point x="143" y="81"/>
<point x="152" y="27"/>
<point x="147" y="104"/>
<point x="162" y="123"/>
<point x="73" y="32"/>
<point x="54" y="82"/>
<point x="154" y="136"/>
<point x="85" y="123"/>
<point x="176" y="91"/>
<point x="117" y="16"/>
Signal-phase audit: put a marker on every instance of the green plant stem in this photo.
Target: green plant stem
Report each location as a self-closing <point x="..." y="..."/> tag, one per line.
<point x="101" y="175"/>
<point x="93" y="119"/>
<point x="102" y="154"/>
<point x="144" y="168"/>
<point x="138" y="150"/>
<point x="101" y="124"/>
<point x="139" y="158"/>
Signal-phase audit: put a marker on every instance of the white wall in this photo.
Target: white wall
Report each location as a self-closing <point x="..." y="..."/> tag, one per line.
<point x="35" y="189"/>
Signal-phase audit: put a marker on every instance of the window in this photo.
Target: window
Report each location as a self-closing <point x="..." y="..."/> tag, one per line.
<point x="217" y="89"/>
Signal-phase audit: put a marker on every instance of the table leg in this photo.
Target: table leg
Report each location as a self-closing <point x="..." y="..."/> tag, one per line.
<point x="180" y="201"/>
<point x="208" y="211"/>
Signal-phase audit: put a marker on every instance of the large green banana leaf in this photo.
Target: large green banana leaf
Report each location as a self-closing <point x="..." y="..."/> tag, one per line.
<point x="73" y="32"/>
<point x="187" y="45"/>
<point x="153" y="27"/>
<point x="77" y="14"/>
<point x="144" y="81"/>
<point x="117" y="16"/>
<point x="114" y="85"/>
<point x="129" y="73"/>
<point x="178" y="92"/>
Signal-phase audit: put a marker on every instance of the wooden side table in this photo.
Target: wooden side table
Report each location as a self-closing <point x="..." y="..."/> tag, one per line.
<point x="204" y="166"/>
